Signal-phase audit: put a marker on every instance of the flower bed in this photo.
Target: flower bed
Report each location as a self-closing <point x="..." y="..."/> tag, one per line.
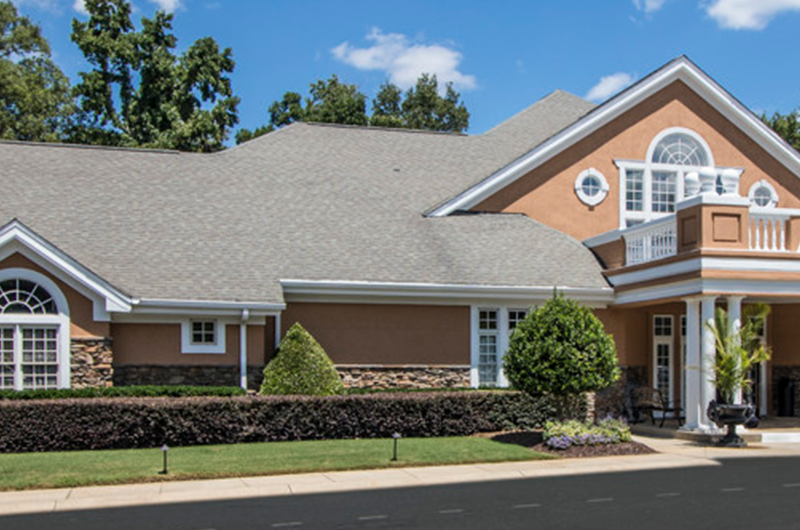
<point x="563" y="435"/>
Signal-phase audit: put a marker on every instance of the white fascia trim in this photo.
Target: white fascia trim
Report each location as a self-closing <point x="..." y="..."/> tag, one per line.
<point x="681" y="69"/>
<point x="115" y="301"/>
<point x="204" y="307"/>
<point x="712" y="285"/>
<point x="653" y="273"/>
<point x="370" y="290"/>
<point x="602" y="239"/>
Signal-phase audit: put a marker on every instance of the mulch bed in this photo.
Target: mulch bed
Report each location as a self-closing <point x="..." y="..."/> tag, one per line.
<point x="533" y="441"/>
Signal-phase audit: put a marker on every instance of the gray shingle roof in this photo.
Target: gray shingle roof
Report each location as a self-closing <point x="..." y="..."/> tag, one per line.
<point x="314" y="202"/>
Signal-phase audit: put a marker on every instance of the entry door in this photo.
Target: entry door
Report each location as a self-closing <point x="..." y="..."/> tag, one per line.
<point x="662" y="355"/>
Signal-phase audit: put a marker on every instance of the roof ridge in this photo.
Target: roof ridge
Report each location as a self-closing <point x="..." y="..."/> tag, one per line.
<point x="549" y="95"/>
<point x="385" y="129"/>
<point x="63" y="145"/>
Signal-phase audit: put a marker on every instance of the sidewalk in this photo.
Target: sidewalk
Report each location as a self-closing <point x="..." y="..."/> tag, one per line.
<point x="672" y="454"/>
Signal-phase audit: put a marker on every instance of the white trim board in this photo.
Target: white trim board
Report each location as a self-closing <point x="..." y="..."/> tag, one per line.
<point x="680" y="69"/>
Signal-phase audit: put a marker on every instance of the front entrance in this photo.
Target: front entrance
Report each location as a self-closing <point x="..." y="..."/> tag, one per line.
<point x="663" y="326"/>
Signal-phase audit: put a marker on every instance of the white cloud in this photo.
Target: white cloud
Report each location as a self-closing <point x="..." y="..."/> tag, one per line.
<point x="649" y="6"/>
<point x="80" y="7"/>
<point x="609" y="85"/>
<point x="748" y="14"/>
<point x="405" y="61"/>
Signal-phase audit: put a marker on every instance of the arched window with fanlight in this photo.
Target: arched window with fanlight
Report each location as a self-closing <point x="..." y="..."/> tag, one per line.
<point x="651" y="188"/>
<point x="34" y="332"/>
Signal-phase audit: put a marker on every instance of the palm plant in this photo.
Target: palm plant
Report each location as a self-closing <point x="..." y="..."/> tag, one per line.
<point x="737" y="352"/>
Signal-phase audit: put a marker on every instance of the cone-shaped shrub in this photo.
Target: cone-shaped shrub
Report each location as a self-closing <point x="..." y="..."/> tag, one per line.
<point x="301" y="367"/>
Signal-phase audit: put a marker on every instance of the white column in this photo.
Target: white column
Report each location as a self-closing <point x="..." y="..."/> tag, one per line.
<point x="734" y="325"/>
<point x="707" y="361"/>
<point x="692" y="368"/>
<point x="243" y="349"/>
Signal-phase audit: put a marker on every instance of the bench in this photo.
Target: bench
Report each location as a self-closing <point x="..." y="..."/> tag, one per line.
<point x="647" y="400"/>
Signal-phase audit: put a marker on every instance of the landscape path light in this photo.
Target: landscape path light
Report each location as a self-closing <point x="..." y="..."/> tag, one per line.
<point x="396" y="437"/>
<point x="165" y="450"/>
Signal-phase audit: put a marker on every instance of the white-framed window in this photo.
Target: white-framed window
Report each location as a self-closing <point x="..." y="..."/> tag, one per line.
<point x="763" y="194"/>
<point x="662" y="355"/>
<point x="651" y="188"/>
<point x="491" y="331"/>
<point x="591" y="187"/>
<point x="34" y="332"/>
<point x="202" y="335"/>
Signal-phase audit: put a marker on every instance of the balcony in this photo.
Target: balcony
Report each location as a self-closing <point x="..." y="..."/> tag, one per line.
<point x="705" y="221"/>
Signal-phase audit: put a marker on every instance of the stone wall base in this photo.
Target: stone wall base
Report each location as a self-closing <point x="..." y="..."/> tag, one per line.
<point x="386" y="377"/>
<point x="785" y="372"/>
<point x="616" y="400"/>
<point x="194" y="375"/>
<point x="91" y="363"/>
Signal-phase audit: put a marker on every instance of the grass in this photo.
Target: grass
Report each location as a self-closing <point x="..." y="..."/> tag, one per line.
<point x="83" y="468"/>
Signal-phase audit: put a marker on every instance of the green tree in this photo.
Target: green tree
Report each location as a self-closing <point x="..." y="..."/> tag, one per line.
<point x="786" y="125"/>
<point x="35" y="102"/>
<point x="332" y="101"/>
<point x="387" y="107"/>
<point x="140" y="93"/>
<point x="562" y="350"/>
<point x="424" y="108"/>
<point x="301" y="367"/>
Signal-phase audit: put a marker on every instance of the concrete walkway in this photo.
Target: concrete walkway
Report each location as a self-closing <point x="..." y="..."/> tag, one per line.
<point x="672" y="454"/>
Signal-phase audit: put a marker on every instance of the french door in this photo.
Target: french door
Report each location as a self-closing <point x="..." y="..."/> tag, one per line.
<point x="662" y="355"/>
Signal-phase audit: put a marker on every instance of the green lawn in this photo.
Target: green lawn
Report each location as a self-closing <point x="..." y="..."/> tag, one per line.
<point x="81" y="468"/>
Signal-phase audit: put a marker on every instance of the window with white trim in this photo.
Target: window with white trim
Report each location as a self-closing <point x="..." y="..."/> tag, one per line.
<point x="29" y="336"/>
<point x="763" y="194"/>
<point x="203" y="335"/>
<point x="591" y="187"/>
<point x="652" y="187"/>
<point x="515" y="316"/>
<point x="488" y="347"/>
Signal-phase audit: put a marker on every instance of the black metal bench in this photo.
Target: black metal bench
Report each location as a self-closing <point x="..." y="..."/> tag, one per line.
<point x="648" y="401"/>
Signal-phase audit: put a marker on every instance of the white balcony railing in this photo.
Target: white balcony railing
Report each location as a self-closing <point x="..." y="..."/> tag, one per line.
<point x="767" y="229"/>
<point x="651" y="241"/>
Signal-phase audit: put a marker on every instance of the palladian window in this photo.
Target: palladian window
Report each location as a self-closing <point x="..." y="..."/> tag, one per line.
<point x="652" y="187"/>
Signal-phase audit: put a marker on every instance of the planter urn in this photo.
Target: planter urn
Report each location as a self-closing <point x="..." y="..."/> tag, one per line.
<point x="730" y="415"/>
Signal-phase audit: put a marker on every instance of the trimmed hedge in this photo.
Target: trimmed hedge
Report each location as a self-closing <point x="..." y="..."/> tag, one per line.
<point x="75" y="424"/>
<point x="124" y="391"/>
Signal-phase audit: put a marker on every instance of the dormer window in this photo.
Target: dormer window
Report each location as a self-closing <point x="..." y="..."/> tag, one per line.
<point x="651" y="188"/>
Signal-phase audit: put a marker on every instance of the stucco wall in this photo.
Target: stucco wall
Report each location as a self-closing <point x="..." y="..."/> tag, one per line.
<point x="386" y="334"/>
<point x="160" y="344"/>
<point x="547" y="193"/>
<point x="80" y="307"/>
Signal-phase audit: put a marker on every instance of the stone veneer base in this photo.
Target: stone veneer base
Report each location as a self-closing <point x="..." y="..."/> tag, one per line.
<point x="387" y="377"/>
<point x="785" y="372"/>
<point x="91" y="363"/>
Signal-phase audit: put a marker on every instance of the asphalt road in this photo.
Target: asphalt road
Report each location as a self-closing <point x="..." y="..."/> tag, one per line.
<point x="752" y="493"/>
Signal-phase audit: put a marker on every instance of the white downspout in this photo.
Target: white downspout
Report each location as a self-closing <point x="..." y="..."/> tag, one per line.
<point x="277" y="330"/>
<point x="243" y="349"/>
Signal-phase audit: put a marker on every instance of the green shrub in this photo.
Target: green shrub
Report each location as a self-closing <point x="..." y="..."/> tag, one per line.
<point x="123" y="391"/>
<point x="561" y="349"/>
<point x="123" y="423"/>
<point x="301" y="367"/>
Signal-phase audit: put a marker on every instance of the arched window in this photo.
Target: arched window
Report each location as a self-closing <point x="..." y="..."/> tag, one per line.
<point x="652" y="187"/>
<point x="34" y="332"/>
<point x="680" y="149"/>
<point x="25" y="297"/>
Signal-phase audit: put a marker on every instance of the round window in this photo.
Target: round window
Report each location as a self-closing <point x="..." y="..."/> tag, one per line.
<point x="591" y="187"/>
<point x="763" y="195"/>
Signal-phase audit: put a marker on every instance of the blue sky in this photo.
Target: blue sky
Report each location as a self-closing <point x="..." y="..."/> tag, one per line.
<point x="501" y="55"/>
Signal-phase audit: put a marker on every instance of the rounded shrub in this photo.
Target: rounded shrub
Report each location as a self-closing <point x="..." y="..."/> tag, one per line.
<point x="561" y="349"/>
<point x="301" y="367"/>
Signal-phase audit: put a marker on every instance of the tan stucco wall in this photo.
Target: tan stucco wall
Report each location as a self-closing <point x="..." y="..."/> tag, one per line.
<point x="379" y="334"/>
<point x="160" y="344"/>
<point x="547" y="193"/>
<point x="80" y="307"/>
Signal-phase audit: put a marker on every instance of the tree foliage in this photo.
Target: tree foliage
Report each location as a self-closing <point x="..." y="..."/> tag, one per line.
<point x="786" y="125"/>
<point x="561" y="349"/>
<point x="35" y="102"/>
<point x="301" y="367"/>
<point x="331" y="101"/>
<point x="140" y="93"/>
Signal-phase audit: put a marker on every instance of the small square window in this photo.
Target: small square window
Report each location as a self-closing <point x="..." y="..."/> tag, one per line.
<point x="204" y="332"/>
